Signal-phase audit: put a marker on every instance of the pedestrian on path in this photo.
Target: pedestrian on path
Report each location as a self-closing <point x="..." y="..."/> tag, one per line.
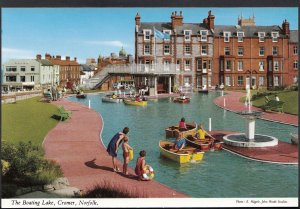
<point x="113" y="146"/>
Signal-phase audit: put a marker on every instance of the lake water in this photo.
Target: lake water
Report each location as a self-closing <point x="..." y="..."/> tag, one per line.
<point x="220" y="174"/>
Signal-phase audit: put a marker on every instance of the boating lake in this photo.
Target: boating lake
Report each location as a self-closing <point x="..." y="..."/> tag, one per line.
<point x="220" y="174"/>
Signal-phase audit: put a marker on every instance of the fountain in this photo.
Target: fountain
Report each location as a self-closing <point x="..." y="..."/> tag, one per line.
<point x="250" y="139"/>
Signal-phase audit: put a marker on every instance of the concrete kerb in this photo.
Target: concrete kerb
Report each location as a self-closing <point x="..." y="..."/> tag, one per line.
<point x="260" y="118"/>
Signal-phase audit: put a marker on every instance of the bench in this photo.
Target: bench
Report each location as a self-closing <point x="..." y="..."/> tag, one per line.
<point x="47" y="97"/>
<point x="273" y="105"/>
<point x="63" y="113"/>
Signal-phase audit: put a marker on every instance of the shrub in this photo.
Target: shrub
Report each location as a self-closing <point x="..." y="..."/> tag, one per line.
<point x="9" y="190"/>
<point x="5" y="167"/>
<point x="27" y="165"/>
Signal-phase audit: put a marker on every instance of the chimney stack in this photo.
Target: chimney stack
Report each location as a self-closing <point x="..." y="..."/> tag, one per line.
<point x="67" y="58"/>
<point x="75" y="59"/>
<point x="47" y="56"/>
<point x="286" y="27"/>
<point x="58" y="57"/>
<point x="138" y="19"/>
<point x="177" y="20"/>
<point x="38" y="57"/>
<point x="210" y="20"/>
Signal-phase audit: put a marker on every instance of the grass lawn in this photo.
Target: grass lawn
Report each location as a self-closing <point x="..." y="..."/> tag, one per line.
<point x="27" y="120"/>
<point x="289" y="97"/>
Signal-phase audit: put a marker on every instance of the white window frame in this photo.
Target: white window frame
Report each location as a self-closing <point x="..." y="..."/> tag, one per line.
<point x="295" y="79"/>
<point x="295" y="64"/>
<point x="190" y="51"/>
<point x="227" y="80"/>
<point x="242" y="65"/>
<point x="276" y="80"/>
<point x="275" y="36"/>
<point x="227" y="36"/>
<point x="187" y="35"/>
<point x="226" y="47"/>
<point x="146" y="53"/>
<point x="263" y="65"/>
<point x="168" y="32"/>
<point x="238" y="80"/>
<point x="145" y="34"/>
<point x="203" y="34"/>
<point x="178" y="62"/>
<point x="32" y="78"/>
<point x="165" y="52"/>
<point x="295" y="50"/>
<point x="240" y="47"/>
<point x="228" y="69"/>
<point x="277" y="50"/>
<point x="260" y="51"/>
<point x="261" y="80"/>
<point x="199" y="65"/>
<point x="240" y="36"/>
<point x="187" y="67"/>
<point x="261" y="36"/>
<point x="276" y="65"/>
<point x="204" y="52"/>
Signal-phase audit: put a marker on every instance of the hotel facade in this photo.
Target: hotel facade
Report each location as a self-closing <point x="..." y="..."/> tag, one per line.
<point x="207" y="55"/>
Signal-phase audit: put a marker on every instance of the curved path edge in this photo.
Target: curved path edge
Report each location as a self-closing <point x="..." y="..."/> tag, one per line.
<point x="76" y="145"/>
<point x="233" y="104"/>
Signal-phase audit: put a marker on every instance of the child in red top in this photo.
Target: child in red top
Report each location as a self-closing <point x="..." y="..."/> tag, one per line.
<point x="126" y="147"/>
<point x="140" y="164"/>
<point x="182" y="125"/>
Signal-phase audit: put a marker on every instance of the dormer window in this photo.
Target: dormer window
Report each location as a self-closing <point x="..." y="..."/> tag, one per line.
<point x="261" y="36"/>
<point x="147" y="34"/>
<point x="187" y="35"/>
<point x="227" y="36"/>
<point x="203" y="34"/>
<point x="167" y="32"/>
<point x="240" y="36"/>
<point x="275" y="36"/>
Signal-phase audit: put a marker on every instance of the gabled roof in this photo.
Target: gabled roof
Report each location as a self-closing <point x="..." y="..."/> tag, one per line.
<point x="45" y="62"/>
<point x="249" y="31"/>
<point x="294" y="36"/>
<point x="195" y="27"/>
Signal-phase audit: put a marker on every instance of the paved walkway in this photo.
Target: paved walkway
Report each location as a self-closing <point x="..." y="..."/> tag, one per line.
<point x="233" y="104"/>
<point x="75" y="145"/>
<point x="283" y="153"/>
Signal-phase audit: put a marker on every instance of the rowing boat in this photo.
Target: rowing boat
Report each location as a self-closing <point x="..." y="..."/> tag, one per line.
<point x="184" y="155"/>
<point x="80" y="96"/>
<point x="173" y="131"/>
<point x="112" y="100"/>
<point x="136" y="103"/>
<point x="180" y="100"/>
<point x="204" y="144"/>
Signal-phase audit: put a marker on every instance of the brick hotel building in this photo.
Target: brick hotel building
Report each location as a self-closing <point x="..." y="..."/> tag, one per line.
<point x="207" y="55"/>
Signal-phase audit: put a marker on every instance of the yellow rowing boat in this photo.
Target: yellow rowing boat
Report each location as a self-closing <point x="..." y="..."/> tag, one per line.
<point x="132" y="102"/>
<point x="184" y="155"/>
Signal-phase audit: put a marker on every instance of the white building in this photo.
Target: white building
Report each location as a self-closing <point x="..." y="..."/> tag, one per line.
<point x="86" y="72"/>
<point x="27" y="74"/>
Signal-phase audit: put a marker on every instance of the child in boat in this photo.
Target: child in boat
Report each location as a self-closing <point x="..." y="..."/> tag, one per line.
<point x="114" y="96"/>
<point x="137" y="98"/>
<point x="202" y="133"/>
<point x="180" y="143"/>
<point x="140" y="164"/>
<point x="126" y="147"/>
<point x="182" y="125"/>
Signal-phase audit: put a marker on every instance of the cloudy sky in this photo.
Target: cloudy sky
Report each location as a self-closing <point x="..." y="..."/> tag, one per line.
<point x="89" y="32"/>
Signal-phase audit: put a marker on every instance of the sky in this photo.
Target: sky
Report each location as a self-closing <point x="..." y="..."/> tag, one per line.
<point x="90" y="32"/>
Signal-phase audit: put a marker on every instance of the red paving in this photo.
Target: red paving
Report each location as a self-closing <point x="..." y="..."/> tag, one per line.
<point x="283" y="153"/>
<point x="76" y="146"/>
<point x="233" y="104"/>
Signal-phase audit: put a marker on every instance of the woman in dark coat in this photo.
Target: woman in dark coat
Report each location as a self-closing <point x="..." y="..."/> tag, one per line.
<point x="113" y="146"/>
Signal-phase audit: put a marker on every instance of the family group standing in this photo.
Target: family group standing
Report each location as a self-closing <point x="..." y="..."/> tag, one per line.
<point x="112" y="149"/>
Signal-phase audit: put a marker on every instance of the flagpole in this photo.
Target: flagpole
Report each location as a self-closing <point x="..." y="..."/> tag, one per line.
<point x="154" y="48"/>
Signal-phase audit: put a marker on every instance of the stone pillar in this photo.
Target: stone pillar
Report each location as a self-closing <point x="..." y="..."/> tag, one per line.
<point x="250" y="128"/>
<point x="170" y="85"/>
<point x="155" y="85"/>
